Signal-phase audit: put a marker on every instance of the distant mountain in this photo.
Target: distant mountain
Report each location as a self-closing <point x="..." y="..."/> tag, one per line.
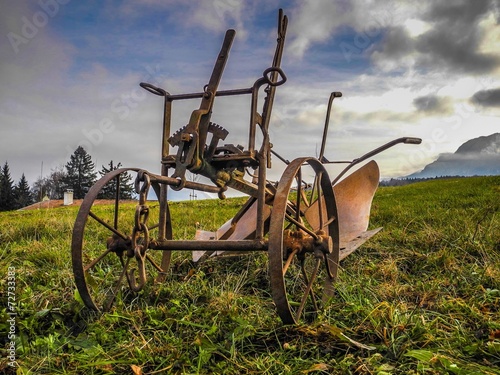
<point x="476" y="157"/>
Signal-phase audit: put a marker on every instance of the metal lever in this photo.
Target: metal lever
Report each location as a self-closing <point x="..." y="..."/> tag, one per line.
<point x="194" y="135"/>
<point x="405" y="140"/>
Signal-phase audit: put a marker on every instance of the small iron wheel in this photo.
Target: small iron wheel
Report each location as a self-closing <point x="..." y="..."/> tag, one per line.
<point x="103" y="257"/>
<point x="303" y="241"/>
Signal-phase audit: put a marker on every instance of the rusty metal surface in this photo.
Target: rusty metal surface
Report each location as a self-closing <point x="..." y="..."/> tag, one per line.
<point x="77" y="240"/>
<point x="280" y="255"/>
<point x="299" y="231"/>
<point x="348" y="248"/>
<point x="126" y="246"/>
<point x="354" y="197"/>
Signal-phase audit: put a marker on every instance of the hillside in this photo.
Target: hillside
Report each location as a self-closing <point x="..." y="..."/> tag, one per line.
<point x="421" y="297"/>
<point x="476" y="157"/>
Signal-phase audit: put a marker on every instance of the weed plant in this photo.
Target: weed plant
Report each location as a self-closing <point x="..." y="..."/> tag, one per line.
<point x="422" y="297"/>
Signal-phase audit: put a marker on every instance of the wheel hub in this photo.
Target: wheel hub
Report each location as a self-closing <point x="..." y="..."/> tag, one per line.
<point x="301" y="243"/>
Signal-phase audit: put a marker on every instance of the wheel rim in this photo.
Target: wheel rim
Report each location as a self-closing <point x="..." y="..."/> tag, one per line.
<point x="101" y="245"/>
<point x="298" y="272"/>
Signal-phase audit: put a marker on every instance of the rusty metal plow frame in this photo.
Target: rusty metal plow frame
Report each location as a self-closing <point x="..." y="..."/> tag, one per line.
<point x="306" y="228"/>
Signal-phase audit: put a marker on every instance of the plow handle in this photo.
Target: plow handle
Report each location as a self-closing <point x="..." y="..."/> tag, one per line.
<point x="333" y="95"/>
<point x="405" y="140"/>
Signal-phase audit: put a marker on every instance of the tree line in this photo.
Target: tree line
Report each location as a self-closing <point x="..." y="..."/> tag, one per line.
<point x="78" y="175"/>
<point x="412" y="180"/>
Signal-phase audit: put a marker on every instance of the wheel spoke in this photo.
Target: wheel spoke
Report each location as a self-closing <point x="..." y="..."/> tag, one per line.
<point x="289" y="261"/>
<point x="308" y="290"/>
<point x="103" y="223"/>
<point x="111" y="300"/>
<point x="320" y="202"/>
<point x="301" y="226"/>
<point x="96" y="260"/>
<point x="153" y="263"/>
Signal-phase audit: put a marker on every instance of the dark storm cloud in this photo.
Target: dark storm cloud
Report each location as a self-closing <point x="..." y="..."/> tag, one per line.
<point x="462" y="12"/>
<point x="431" y="104"/>
<point x="455" y="37"/>
<point x="397" y="43"/>
<point x="487" y="98"/>
<point x="452" y="43"/>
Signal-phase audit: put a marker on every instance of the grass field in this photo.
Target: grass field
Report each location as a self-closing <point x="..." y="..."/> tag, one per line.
<point x="422" y="297"/>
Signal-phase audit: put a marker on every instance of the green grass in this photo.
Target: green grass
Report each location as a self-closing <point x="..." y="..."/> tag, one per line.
<point x="422" y="297"/>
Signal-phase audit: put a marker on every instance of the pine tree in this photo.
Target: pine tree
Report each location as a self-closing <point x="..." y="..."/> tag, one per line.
<point x="80" y="174"/>
<point x="22" y="193"/>
<point x="109" y="190"/>
<point x="7" y="198"/>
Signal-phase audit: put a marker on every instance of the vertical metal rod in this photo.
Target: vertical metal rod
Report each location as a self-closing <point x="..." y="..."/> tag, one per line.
<point x="320" y="202"/>
<point x="167" y="116"/>
<point x="299" y="194"/>
<point x="253" y="119"/>
<point x="261" y="193"/>
<point x="333" y="95"/>
<point x="117" y="201"/>
<point x="269" y="100"/>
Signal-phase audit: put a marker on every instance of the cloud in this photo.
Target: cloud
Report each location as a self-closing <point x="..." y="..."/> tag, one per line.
<point x="432" y="104"/>
<point x="487" y="98"/>
<point x="455" y="37"/>
<point x="217" y="15"/>
<point x="397" y="43"/>
<point x="458" y="12"/>
<point x="451" y="40"/>
<point x="315" y="21"/>
<point x="84" y="67"/>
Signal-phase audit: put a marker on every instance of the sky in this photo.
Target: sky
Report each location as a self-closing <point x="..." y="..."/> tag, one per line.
<point x="70" y="73"/>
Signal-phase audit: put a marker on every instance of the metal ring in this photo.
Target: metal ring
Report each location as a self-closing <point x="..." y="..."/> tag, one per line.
<point x="153" y="89"/>
<point x="182" y="184"/>
<point x="272" y="69"/>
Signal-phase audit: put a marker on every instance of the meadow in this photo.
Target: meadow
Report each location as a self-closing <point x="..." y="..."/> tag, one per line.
<point x="421" y="297"/>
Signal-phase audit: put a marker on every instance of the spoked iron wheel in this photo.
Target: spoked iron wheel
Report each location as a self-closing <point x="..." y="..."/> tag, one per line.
<point x="303" y="241"/>
<point x="105" y="262"/>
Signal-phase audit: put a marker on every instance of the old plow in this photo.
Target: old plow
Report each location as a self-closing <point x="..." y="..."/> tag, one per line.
<point x="307" y="222"/>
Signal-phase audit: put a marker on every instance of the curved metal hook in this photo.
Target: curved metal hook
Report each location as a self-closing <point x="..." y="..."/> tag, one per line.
<point x="142" y="271"/>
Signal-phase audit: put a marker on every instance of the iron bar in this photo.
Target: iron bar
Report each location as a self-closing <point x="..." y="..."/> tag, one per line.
<point x="198" y="95"/>
<point x="103" y="223"/>
<point x="223" y="245"/>
<point x="188" y="184"/>
<point x="406" y="140"/>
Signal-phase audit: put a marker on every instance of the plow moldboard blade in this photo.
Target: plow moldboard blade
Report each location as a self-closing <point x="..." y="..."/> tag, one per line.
<point x="354" y="196"/>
